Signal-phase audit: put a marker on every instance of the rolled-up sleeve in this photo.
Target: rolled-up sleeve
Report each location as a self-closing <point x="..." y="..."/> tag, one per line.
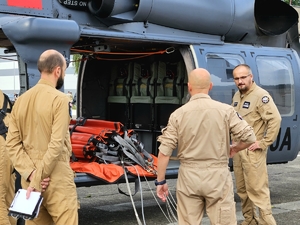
<point x="240" y="129"/>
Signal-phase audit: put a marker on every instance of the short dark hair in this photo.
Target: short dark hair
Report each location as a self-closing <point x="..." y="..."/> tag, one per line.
<point x="244" y="65"/>
<point x="47" y="64"/>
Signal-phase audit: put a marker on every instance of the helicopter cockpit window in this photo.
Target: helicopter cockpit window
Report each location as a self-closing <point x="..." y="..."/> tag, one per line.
<point x="276" y="76"/>
<point x="220" y="67"/>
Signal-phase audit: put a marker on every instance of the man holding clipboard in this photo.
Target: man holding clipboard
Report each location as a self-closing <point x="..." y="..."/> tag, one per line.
<point x="39" y="146"/>
<point x="23" y="207"/>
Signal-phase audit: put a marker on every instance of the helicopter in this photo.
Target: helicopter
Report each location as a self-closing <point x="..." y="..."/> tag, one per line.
<point x="135" y="56"/>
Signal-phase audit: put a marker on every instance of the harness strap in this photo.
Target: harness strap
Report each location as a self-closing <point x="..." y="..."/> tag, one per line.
<point x="6" y="99"/>
<point x="130" y="194"/>
<point x="106" y="159"/>
<point x="146" y="157"/>
<point x="127" y="147"/>
<point x="139" y="146"/>
<point x="130" y="155"/>
<point x="3" y="111"/>
<point x="136" y="186"/>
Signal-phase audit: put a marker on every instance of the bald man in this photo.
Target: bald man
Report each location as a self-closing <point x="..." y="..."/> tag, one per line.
<point x="38" y="143"/>
<point x="200" y="130"/>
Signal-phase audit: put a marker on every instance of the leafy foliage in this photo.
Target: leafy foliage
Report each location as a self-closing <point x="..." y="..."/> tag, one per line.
<point x="292" y="2"/>
<point x="76" y="62"/>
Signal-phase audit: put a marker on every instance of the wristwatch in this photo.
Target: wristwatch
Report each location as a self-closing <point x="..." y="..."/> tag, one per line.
<point x="160" y="182"/>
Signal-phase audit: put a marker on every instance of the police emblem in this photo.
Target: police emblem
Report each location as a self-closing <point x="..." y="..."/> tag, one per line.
<point x="265" y="99"/>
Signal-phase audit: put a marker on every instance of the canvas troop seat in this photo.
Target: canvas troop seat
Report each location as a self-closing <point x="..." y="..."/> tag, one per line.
<point x="166" y="100"/>
<point x="142" y="99"/>
<point x="181" y="83"/>
<point x="171" y="89"/>
<point x="119" y="93"/>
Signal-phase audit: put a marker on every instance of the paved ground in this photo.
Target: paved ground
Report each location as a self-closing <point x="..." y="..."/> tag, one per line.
<point x="104" y="205"/>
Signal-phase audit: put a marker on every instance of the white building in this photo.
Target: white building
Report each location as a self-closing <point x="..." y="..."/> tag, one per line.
<point x="9" y="75"/>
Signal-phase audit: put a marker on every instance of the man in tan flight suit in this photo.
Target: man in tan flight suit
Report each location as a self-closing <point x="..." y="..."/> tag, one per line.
<point x="257" y="107"/>
<point x="7" y="177"/>
<point x="201" y="130"/>
<point x="39" y="146"/>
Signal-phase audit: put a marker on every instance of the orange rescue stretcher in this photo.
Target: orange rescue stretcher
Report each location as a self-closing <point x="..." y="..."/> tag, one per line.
<point x="105" y="149"/>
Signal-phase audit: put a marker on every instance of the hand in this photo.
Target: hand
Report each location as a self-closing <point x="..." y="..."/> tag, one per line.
<point x="254" y="146"/>
<point x="29" y="190"/>
<point x="232" y="151"/>
<point x="45" y="183"/>
<point x="162" y="192"/>
<point x="31" y="176"/>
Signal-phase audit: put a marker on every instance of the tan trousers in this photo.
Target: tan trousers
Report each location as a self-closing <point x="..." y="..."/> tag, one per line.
<point x="207" y="186"/>
<point x="250" y="170"/>
<point x="60" y="205"/>
<point x="7" y="185"/>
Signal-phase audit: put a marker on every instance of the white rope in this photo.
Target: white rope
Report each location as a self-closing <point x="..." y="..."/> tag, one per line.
<point x="142" y="201"/>
<point x="172" y="201"/>
<point x="170" y="210"/>
<point x="169" y="219"/>
<point x="130" y="194"/>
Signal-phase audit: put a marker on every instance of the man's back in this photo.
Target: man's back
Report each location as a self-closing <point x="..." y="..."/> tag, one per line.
<point x="36" y="116"/>
<point x="38" y="143"/>
<point x="201" y="119"/>
<point x="203" y="127"/>
<point x="40" y="121"/>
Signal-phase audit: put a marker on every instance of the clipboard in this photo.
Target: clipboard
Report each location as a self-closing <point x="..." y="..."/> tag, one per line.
<point x="25" y="208"/>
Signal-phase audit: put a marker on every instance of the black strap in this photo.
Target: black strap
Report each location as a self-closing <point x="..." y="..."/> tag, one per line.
<point x="148" y="86"/>
<point x="174" y="88"/>
<point x="3" y="111"/>
<point x="139" y="86"/>
<point x="115" y="86"/>
<point x="4" y="107"/>
<point x="124" y="87"/>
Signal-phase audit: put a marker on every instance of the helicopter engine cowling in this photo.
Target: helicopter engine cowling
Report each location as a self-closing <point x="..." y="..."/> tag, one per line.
<point x="234" y="19"/>
<point x="110" y="8"/>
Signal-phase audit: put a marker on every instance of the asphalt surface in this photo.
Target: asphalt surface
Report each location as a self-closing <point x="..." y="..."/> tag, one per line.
<point x="105" y="205"/>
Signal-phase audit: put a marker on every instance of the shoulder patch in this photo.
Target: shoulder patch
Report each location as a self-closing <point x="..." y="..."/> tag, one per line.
<point x="239" y="116"/>
<point x="265" y="99"/>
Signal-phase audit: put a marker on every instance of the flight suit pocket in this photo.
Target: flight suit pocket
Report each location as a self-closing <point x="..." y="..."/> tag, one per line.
<point x="227" y="215"/>
<point x="245" y="112"/>
<point x="255" y="157"/>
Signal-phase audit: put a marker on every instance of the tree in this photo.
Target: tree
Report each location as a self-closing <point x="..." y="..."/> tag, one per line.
<point x="292" y="2"/>
<point x="76" y="62"/>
